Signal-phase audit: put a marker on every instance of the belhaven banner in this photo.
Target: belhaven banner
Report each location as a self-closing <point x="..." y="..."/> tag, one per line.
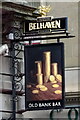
<point x="44" y="76"/>
<point x="52" y="24"/>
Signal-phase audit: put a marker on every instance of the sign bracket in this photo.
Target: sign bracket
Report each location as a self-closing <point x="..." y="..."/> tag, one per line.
<point x="58" y="40"/>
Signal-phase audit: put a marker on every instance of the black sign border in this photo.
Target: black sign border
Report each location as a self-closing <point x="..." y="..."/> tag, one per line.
<point x="63" y="81"/>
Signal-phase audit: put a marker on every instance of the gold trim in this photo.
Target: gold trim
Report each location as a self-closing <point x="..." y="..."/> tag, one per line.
<point x="43" y="10"/>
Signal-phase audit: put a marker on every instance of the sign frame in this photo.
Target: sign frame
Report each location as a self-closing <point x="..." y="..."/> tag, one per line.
<point x="46" y="104"/>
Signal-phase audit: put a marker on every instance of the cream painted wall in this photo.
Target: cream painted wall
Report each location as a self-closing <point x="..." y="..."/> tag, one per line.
<point x="70" y="10"/>
<point x="71" y="60"/>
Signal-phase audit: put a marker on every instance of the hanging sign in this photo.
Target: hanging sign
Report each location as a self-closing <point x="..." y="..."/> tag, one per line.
<point x="44" y="76"/>
<point x="43" y="24"/>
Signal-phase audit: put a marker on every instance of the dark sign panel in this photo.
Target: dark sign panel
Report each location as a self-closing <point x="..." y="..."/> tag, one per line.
<point x="53" y="24"/>
<point x="44" y="76"/>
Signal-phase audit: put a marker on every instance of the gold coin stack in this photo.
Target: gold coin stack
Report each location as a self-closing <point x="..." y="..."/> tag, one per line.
<point x="39" y="75"/>
<point x="50" y="73"/>
<point x="46" y="65"/>
<point x="52" y="79"/>
<point x="54" y="70"/>
<point x="59" y="77"/>
<point x="54" y="67"/>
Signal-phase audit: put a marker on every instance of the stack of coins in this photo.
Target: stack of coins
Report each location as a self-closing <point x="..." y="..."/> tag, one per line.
<point x="38" y="67"/>
<point x="54" y="67"/>
<point x="39" y="79"/>
<point x="39" y="75"/>
<point x="52" y="79"/>
<point x="46" y="65"/>
<point x="59" y="77"/>
<point x="50" y="73"/>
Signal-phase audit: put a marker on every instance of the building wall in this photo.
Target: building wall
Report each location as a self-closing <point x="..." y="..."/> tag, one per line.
<point x="70" y="10"/>
<point x="58" y="9"/>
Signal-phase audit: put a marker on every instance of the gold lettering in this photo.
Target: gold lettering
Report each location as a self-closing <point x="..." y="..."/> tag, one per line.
<point x="37" y="26"/>
<point x="57" y="23"/>
<point x="42" y="25"/>
<point x="53" y="24"/>
<point x="48" y="25"/>
<point x="30" y="26"/>
<point x="34" y="26"/>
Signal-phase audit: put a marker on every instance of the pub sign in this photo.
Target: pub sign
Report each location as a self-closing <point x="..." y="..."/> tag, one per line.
<point x="44" y="76"/>
<point x="46" y="23"/>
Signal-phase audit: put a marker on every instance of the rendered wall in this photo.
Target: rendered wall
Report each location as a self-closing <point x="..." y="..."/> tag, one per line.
<point x="70" y="10"/>
<point x="58" y="9"/>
